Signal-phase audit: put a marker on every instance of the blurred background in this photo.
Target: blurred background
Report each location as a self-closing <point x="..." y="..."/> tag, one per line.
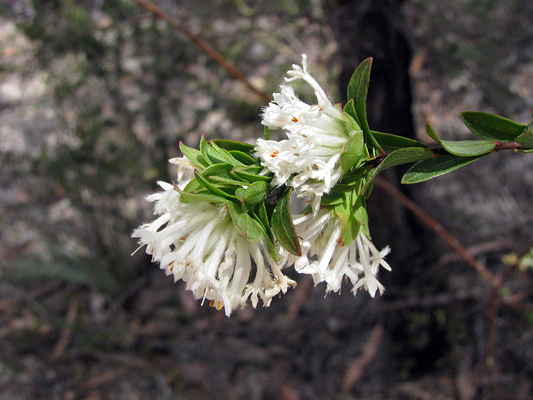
<point x="95" y="97"/>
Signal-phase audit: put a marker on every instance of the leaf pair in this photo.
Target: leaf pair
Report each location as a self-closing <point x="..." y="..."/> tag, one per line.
<point x="491" y="128"/>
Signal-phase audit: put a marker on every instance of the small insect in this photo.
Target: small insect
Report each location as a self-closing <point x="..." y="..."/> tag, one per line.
<point x="275" y="195"/>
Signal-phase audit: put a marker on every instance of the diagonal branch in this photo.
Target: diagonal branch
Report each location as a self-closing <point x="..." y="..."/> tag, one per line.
<point x="439" y="229"/>
<point x="204" y="46"/>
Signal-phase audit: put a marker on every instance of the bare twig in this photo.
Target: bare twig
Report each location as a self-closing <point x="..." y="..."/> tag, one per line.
<point x="104" y="378"/>
<point x="215" y="55"/>
<point x="489" y="358"/>
<point x="357" y="366"/>
<point x="439" y="229"/>
<point x="487" y="365"/>
<point x="66" y="332"/>
<point x="287" y="393"/>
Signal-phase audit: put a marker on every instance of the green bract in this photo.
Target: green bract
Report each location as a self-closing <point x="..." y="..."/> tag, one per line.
<point x="282" y="225"/>
<point x="227" y="172"/>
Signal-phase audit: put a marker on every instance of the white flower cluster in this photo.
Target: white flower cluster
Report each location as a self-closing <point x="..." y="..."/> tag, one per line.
<point x="196" y="240"/>
<point x="327" y="261"/>
<point x="198" y="243"/>
<point x="308" y="159"/>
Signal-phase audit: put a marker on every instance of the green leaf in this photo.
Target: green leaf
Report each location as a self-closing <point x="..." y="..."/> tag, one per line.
<point x="399" y="157"/>
<point x="204" y="195"/>
<point x="349" y="109"/>
<point x="211" y="187"/>
<point x="262" y="217"/>
<point x="361" y="215"/>
<point x="431" y="132"/>
<point x="526" y="138"/>
<point x="224" y="154"/>
<point x="250" y="174"/>
<point x="428" y="169"/>
<point x="468" y="148"/>
<point x="221" y="173"/>
<point x="224" y="182"/>
<point x="243" y="157"/>
<point x="358" y="85"/>
<point x="351" y="226"/>
<point x="352" y="151"/>
<point x="194" y="156"/>
<point x="231" y="145"/>
<point x="192" y="186"/>
<point x="221" y="170"/>
<point x="255" y="193"/>
<point x="214" y="154"/>
<point x="492" y="127"/>
<point x="245" y="225"/>
<point x="390" y="142"/>
<point x="282" y="225"/>
<point x="205" y="150"/>
<point x="404" y="156"/>
<point x="462" y="148"/>
<point x="332" y="198"/>
<point x="358" y="90"/>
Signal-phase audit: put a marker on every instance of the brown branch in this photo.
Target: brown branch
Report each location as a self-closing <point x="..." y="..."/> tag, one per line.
<point x="439" y="229"/>
<point x="357" y="367"/>
<point x="489" y="359"/>
<point x="204" y="46"/>
<point x="66" y="332"/>
<point x="507" y="146"/>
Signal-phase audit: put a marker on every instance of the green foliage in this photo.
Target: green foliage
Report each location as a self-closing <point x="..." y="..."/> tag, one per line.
<point x="525" y="138"/>
<point x="254" y="194"/>
<point x="358" y="90"/>
<point x="244" y="223"/>
<point x="434" y="167"/>
<point x="346" y="211"/>
<point x="282" y="225"/>
<point x="492" y="127"/>
<point x="352" y="151"/>
<point x="390" y="142"/>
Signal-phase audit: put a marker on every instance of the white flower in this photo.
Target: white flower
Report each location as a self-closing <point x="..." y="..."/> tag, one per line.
<point x="197" y="242"/>
<point x="308" y="159"/>
<point x="327" y="261"/>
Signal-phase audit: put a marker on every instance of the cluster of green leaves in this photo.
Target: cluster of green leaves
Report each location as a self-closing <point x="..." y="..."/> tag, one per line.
<point x="227" y="172"/>
<point x="496" y="133"/>
<point x="365" y="155"/>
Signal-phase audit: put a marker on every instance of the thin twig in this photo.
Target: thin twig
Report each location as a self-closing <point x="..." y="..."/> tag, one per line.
<point x="514" y="266"/>
<point x="439" y="229"/>
<point x="489" y="359"/>
<point x="66" y="332"/>
<point x="215" y="55"/>
<point x="358" y="366"/>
